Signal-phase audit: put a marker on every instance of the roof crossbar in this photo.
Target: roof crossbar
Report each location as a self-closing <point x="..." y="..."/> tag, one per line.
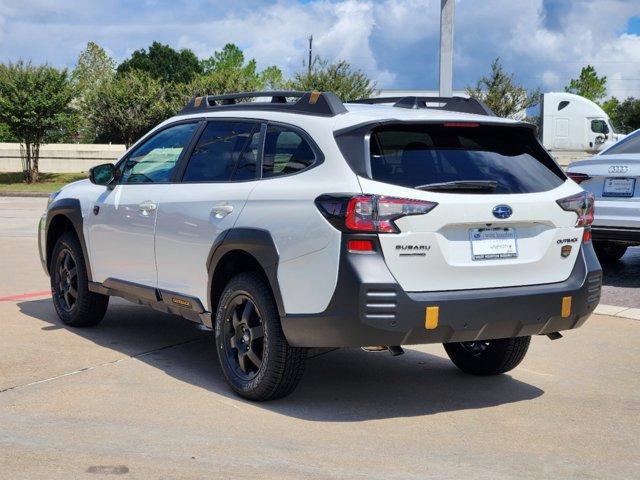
<point x="308" y="103"/>
<point x="452" y="104"/>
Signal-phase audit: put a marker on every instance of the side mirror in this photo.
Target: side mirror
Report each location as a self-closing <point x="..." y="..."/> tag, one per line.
<point x="103" y="174"/>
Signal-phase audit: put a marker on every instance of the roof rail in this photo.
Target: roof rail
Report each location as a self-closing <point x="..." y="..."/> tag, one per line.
<point x="453" y="104"/>
<point x="308" y="103"/>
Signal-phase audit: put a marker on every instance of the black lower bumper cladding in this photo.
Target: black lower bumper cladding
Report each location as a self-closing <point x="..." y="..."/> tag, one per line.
<point x="370" y="308"/>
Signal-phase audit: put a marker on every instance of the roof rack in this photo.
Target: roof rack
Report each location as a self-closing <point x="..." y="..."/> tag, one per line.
<point x="453" y="104"/>
<point x="308" y="103"/>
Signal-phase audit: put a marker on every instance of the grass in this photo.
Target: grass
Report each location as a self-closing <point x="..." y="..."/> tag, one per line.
<point x="49" y="182"/>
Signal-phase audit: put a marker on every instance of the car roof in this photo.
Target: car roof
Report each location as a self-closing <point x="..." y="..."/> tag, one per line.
<point x="355" y="114"/>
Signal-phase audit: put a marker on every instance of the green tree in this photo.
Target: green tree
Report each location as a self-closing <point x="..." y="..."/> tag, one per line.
<point x="126" y="107"/>
<point x="226" y="71"/>
<point x="229" y="58"/>
<point x="339" y="78"/>
<point x="588" y="84"/>
<point x="610" y="107"/>
<point x="627" y="116"/>
<point x="93" y="68"/>
<point x="163" y="63"/>
<point x="35" y="106"/>
<point x="220" y="82"/>
<point x="273" y="79"/>
<point x="502" y="94"/>
<point x="5" y="133"/>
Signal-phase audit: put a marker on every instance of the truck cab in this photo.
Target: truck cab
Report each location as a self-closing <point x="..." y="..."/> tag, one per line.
<point x="572" y="122"/>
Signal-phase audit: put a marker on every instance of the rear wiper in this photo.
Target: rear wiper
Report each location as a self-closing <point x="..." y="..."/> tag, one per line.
<point x="476" y="185"/>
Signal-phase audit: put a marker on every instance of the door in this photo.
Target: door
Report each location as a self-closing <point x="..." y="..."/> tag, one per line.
<point x="122" y="223"/>
<point x="216" y="181"/>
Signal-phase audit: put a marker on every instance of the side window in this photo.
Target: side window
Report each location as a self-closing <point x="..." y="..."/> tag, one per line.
<point x="599" y="126"/>
<point x="225" y="151"/>
<point x="155" y="160"/>
<point x="285" y="152"/>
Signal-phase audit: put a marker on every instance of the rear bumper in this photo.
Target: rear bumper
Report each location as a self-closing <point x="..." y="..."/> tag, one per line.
<point x="370" y="308"/>
<point x="616" y="234"/>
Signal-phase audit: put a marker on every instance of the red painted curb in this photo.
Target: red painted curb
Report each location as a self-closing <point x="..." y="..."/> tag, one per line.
<point x="22" y="296"/>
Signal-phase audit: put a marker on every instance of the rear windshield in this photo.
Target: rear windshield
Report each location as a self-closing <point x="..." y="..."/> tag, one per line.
<point x="630" y="144"/>
<point x="419" y="155"/>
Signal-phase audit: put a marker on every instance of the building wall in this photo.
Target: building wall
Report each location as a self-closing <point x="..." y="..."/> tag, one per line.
<point x="61" y="157"/>
<point x="72" y="157"/>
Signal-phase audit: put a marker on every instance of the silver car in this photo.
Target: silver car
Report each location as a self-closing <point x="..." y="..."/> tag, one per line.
<point x="612" y="176"/>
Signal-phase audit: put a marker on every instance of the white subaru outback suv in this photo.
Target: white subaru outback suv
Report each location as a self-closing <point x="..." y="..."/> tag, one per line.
<point x="301" y="222"/>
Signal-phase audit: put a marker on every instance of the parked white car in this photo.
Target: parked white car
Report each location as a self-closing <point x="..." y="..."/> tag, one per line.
<point x="291" y="224"/>
<point x="612" y="177"/>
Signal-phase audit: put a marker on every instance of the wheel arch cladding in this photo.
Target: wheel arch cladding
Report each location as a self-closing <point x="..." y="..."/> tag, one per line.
<point x="65" y="215"/>
<point x="242" y="249"/>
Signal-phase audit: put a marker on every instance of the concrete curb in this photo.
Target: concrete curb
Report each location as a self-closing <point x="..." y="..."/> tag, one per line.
<point x="616" y="311"/>
<point x="5" y="193"/>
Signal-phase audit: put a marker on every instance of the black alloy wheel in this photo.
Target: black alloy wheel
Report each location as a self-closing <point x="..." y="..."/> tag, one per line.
<point x="243" y="337"/>
<point x="257" y="361"/>
<point x="66" y="280"/>
<point x="75" y="304"/>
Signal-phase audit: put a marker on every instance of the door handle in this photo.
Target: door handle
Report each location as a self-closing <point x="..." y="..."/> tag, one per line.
<point x="221" y="211"/>
<point x="147" y="207"/>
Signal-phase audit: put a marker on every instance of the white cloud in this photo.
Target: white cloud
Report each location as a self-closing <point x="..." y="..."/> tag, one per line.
<point x="394" y="41"/>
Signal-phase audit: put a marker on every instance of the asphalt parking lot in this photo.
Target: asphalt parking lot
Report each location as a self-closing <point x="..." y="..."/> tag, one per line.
<point x="142" y="396"/>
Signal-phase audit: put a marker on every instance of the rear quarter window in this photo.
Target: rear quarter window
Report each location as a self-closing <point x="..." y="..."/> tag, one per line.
<point x="417" y="155"/>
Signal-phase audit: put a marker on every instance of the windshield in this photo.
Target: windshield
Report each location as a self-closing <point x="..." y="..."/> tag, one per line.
<point x="474" y="159"/>
<point x="629" y="144"/>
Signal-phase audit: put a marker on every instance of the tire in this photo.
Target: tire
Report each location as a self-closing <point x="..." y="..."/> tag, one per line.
<point x="609" y="252"/>
<point x="254" y="355"/>
<point x="488" y="357"/>
<point x="74" y="303"/>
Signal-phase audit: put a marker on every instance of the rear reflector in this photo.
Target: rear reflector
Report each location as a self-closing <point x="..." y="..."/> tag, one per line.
<point x="586" y="235"/>
<point x="566" y="307"/>
<point x="360" y="246"/>
<point x="431" y="315"/>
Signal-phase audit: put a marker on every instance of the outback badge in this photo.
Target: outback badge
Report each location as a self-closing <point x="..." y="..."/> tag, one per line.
<point x="565" y="251"/>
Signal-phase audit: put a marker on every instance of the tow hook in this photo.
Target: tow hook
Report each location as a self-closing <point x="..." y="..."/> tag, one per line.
<point x="394" y="350"/>
<point x="554" y="335"/>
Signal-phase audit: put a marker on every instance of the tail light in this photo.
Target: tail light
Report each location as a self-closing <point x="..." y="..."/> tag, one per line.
<point x="578" y="177"/>
<point x="583" y="205"/>
<point x="369" y="213"/>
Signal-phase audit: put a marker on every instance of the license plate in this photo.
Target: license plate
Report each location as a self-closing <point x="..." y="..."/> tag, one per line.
<point x="619" y="187"/>
<point x="493" y="243"/>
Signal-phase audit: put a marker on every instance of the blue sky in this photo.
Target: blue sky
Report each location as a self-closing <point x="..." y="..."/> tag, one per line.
<point x="544" y="42"/>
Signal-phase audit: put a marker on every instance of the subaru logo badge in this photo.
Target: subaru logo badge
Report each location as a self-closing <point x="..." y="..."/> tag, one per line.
<point x="502" y="211"/>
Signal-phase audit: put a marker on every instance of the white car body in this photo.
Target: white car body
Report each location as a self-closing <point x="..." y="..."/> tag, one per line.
<point x="612" y="176"/>
<point x="160" y="236"/>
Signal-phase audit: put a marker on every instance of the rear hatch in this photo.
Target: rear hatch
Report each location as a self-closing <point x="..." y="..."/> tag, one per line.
<point x="497" y="222"/>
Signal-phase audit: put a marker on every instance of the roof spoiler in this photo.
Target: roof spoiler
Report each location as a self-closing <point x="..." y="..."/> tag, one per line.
<point x="451" y="104"/>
